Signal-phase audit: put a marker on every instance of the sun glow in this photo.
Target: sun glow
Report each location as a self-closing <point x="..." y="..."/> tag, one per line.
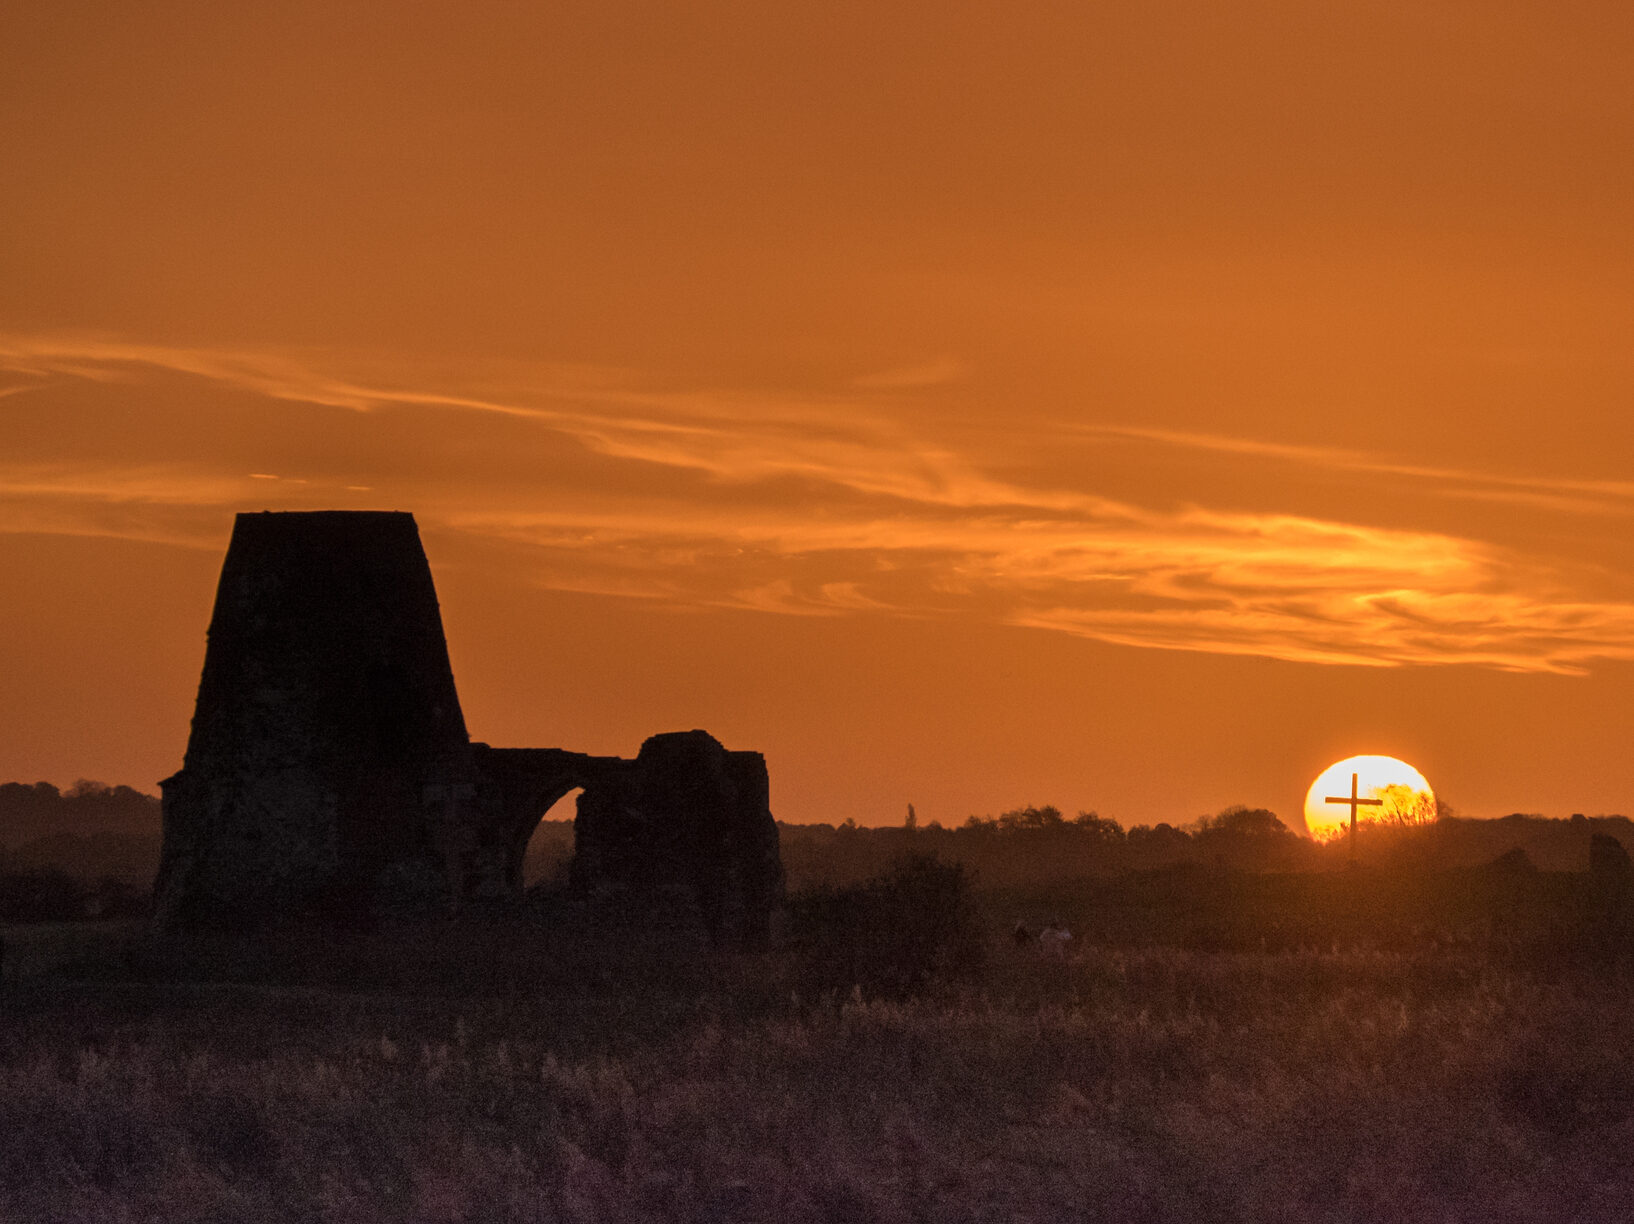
<point x="1389" y="791"/>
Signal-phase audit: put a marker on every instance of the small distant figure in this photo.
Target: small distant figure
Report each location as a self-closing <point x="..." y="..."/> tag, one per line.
<point x="1021" y="936"/>
<point x="1053" y="939"/>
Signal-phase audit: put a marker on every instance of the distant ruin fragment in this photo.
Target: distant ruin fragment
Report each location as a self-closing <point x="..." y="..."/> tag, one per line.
<point x="686" y="820"/>
<point x="329" y="773"/>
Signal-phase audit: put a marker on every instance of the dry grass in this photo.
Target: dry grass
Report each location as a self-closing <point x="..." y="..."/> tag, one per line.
<point x="1149" y="1084"/>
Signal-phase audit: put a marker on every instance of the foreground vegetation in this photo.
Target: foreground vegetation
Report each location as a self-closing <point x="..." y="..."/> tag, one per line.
<point x="1243" y="1029"/>
<point x="518" y="1071"/>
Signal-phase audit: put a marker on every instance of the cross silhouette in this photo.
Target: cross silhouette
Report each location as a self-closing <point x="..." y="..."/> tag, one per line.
<point x="1352" y="802"/>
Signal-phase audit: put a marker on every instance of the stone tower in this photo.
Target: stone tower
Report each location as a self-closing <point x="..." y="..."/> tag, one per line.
<point x="326" y="719"/>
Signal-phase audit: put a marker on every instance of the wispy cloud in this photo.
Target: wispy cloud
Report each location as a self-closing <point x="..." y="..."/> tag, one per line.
<point x="1277" y="587"/>
<point x="1543" y="492"/>
<point x="1385" y="629"/>
<point x="824" y="505"/>
<point x="727" y="435"/>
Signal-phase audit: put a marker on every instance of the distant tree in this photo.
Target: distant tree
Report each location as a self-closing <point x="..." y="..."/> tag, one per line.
<point x="1162" y="838"/>
<point x="912" y="822"/>
<point x="1250" y="838"/>
<point x="1240" y="821"/>
<point x="1099" y="827"/>
<point x="1030" y="817"/>
<point x="40" y="896"/>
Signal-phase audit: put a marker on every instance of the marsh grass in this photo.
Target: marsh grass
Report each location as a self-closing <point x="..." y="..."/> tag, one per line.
<point x="446" y="1073"/>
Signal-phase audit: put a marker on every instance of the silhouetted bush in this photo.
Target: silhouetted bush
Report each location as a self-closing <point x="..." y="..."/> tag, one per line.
<point x="48" y="895"/>
<point x="894" y="934"/>
<point x="40" y="896"/>
<point x="131" y="858"/>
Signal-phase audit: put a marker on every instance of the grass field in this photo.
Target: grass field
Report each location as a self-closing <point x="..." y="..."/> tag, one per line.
<point x="504" y="1072"/>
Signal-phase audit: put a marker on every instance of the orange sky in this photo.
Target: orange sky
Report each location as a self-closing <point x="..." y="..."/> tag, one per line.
<point x="1128" y="407"/>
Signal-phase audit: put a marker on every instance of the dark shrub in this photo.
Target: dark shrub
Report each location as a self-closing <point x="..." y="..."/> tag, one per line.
<point x="40" y="896"/>
<point x="894" y="934"/>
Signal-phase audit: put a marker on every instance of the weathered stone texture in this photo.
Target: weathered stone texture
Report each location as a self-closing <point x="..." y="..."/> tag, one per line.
<point x="687" y="822"/>
<point x="329" y="771"/>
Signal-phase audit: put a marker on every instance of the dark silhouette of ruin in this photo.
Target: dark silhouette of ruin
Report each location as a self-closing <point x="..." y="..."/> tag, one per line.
<point x="329" y="772"/>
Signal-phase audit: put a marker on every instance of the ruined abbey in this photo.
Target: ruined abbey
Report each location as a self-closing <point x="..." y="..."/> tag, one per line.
<point x="329" y="773"/>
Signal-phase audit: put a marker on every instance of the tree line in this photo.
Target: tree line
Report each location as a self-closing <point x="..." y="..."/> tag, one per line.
<point x="1040" y="844"/>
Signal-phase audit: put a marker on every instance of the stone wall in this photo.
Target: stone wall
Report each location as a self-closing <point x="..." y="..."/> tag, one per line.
<point x="686" y="828"/>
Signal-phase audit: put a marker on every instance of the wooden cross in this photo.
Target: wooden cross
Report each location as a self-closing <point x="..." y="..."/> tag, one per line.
<point x="1353" y="803"/>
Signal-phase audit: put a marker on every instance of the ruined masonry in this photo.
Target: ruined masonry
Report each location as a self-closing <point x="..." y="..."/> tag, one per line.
<point x="329" y="773"/>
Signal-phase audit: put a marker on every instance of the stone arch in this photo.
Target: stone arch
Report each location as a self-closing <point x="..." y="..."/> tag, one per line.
<point x="516" y="787"/>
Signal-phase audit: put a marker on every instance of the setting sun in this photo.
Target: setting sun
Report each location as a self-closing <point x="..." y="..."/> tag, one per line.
<point x="1387" y="790"/>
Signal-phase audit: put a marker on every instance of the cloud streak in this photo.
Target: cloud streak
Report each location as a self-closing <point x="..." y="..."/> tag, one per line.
<point x="823" y="505"/>
<point x="728" y="436"/>
<point x="1275" y="587"/>
<point x="1542" y="492"/>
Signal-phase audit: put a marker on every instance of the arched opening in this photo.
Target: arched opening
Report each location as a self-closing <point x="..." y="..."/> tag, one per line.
<point x="550" y="845"/>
